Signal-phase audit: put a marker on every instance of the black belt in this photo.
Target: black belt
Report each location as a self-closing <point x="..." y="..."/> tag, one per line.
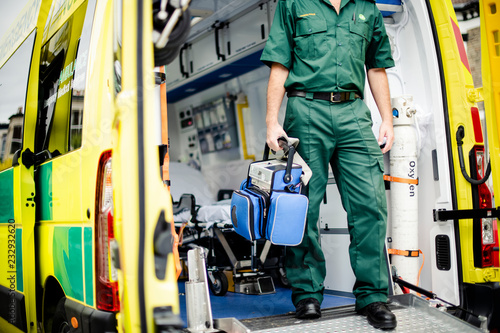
<point x="334" y="97"/>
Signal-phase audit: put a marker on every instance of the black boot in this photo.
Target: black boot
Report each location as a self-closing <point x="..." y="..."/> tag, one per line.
<point x="308" y="308"/>
<point x="379" y="315"/>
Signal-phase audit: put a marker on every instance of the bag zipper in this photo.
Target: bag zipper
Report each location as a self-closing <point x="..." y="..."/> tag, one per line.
<point x="266" y="202"/>
<point x="251" y="217"/>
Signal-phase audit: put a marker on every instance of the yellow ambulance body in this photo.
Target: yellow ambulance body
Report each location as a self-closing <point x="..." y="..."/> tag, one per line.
<point x="85" y="220"/>
<point x="65" y="202"/>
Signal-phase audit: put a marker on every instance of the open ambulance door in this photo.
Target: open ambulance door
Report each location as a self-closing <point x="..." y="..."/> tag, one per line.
<point x="146" y="274"/>
<point x="19" y="62"/>
<point x="490" y="63"/>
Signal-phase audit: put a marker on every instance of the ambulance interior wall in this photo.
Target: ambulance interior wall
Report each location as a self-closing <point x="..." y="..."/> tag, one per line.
<point x="416" y="74"/>
<point x="224" y="169"/>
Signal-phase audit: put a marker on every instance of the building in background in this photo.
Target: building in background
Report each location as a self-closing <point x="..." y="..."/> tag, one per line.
<point x="468" y="19"/>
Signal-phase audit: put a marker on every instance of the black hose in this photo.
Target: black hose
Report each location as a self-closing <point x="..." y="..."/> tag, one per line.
<point x="460" y="135"/>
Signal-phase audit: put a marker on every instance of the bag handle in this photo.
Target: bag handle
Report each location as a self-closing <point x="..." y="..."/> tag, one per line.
<point x="288" y="149"/>
<point x="282" y="142"/>
<point x="288" y="173"/>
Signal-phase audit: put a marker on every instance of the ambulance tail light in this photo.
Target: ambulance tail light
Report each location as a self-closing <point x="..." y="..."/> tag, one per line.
<point x="488" y="241"/>
<point x="106" y="274"/>
<point x="484" y="193"/>
<point x="484" y="231"/>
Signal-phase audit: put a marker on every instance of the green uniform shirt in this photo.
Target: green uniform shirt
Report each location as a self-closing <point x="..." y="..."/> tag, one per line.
<point x="326" y="52"/>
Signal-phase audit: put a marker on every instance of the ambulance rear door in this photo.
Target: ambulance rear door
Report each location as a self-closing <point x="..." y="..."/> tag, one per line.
<point x="490" y="64"/>
<point x="147" y="277"/>
<point x="19" y="54"/>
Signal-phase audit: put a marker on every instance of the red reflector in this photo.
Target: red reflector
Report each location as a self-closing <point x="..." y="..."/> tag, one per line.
<point x="487" y="255"/>
<point x="107" y="296"/>
<point x="111" y="230"/>
<point x="476" y="122"/>
<point x="484" y="197"/>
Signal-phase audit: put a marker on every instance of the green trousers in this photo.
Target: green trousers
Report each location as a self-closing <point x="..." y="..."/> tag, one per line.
<point x="340" y="134"/>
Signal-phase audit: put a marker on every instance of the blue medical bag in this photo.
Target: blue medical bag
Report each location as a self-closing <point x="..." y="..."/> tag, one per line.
<point x="269" y="204"/>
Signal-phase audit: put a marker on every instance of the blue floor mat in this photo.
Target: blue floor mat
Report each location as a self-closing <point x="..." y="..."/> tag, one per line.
<point x="241" y="306"/>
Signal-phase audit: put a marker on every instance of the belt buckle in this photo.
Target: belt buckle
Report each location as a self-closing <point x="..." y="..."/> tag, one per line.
<point x="335" y="97"/>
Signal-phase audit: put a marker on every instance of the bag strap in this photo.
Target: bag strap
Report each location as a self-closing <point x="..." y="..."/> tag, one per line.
<point x="265" y="157"/>
<point x="288" y="173"/>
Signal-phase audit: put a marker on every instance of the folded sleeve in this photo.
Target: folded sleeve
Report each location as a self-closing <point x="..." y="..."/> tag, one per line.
<point x="378" y="54"/>
<point x="279" y="45"/>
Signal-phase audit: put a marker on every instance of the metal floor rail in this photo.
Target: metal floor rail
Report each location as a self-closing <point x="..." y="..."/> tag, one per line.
<point x="413" y="315"/>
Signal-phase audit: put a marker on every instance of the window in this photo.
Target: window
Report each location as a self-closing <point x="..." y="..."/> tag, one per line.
<point x="75" y="129"/>
<point x="13" y="85"/>
<point x="117" y="46"/>
<point x="17" y="139"/>
<point x="3" y="140"/>
<point x="63" y="67"/>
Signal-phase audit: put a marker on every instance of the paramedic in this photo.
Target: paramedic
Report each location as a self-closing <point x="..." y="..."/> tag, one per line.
<point x="317" y="51"/>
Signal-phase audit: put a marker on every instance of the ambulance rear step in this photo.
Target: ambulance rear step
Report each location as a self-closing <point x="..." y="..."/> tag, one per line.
<point x="413" y="313"/>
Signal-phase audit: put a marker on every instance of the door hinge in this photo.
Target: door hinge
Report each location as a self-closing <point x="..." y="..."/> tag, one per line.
<point x="28" y="158"/>
<point x="475" y="95"/>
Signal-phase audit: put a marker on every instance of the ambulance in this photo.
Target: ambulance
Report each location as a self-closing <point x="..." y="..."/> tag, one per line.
<point x="108" y="107"/>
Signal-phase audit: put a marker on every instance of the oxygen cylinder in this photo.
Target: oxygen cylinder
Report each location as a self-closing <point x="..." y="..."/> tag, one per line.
<point x="404" y="195"/>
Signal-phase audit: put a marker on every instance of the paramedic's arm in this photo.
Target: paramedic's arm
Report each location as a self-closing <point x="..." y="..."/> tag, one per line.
<point x="379" y="86"/>
<point x="275" y="94"/>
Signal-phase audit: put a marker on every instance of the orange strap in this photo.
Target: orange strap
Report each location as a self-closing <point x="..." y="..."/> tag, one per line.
<point x="181" y="232"/>
<point x="164" y="131"/>
<point x="401" y="180"/>
<point x="409" y="253"/>
<point x="166" y="174"/>
<point x="406" y="253"/>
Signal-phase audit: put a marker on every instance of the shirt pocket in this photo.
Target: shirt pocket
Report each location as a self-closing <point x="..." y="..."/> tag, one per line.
<point x="358" y="38"/>
<point x="310" y="37"/>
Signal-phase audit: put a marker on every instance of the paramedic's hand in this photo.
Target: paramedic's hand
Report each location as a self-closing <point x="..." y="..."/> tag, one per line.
<point x="379" y="86"/>
<point x="386" y="136"/>
<point x="274" y="131"/>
